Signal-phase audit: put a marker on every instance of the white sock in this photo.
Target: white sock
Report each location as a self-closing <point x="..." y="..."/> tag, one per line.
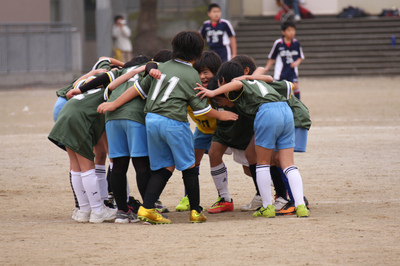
<point x="263" y="175"/>
<point x="80" y="192"/>
<point x="220" y="177"/>
<point x="91" y="185"/>
<point x="102" y="179"/>
<point x="295" y="183"/>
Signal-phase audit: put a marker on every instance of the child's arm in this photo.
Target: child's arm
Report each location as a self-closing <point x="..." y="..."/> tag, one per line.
<point x="125" y="97"/>
<point x="125" y="77"/>
<point x="90" y="73"/>
<point x="266" y="78"/>
<point x="234" y="85"/>
<point x="296" y="63"/>
<point x="233" y="46"/>
<point x="269" y="64"/>
<point x="113" y="61"/>
<point x="222" y="115"/>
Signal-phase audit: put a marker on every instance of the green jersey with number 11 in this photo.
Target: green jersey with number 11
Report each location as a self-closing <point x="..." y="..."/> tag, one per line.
<point x="170" y="95"/>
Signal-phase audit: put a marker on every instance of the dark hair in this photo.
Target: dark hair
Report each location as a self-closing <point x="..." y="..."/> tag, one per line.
<point x="211" y="6"/>
<point x="117" y="17"/>
<point x="245" y="61"/>
<point x="187" y="45"/>
<point x="162" y="56"/>
<point x="137" y="60"/>
<point x="228" y="71"/>
<point x="213" y="85"/>
<point x="210" y="60"/>
<point x="287" y="24"/>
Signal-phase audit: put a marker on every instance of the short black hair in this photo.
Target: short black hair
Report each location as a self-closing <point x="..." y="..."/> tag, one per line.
<point x="137" y="60"/>
<point x="187" y="45"/>
<point x="213" y="85"/>
<point x="162" y="56"/>
<point x="245" y="61"/>
<point x="228" y="71"/>
<point x="211" y="6"/>
<point x="117" y="17"/>
<point x="210" y="60"/>
<point x="287" y="24"/>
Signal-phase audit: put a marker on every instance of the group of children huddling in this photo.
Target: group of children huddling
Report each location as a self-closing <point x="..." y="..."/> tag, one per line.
<point x="138" y="111"/>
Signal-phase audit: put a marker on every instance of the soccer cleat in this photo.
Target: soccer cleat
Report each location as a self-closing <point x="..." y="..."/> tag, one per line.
<point x="221" y="206"/>
<point x="279" y="203"/>
<point x="268" y="212"/>
<point x="306" y="202"/>
<point x="126" y="217"/>
<point x="302" y="211"/>
<point x="162" y="208"/>
<point x="134" y="204"/>
<point x="288" y="209"/>
<point x="152" y="216"/>
<point x="254" y="205"/>
<point x="105" y="215"/>
<point x="196" y="217"/>
<point x="183" y="205"/>
<point x="82" y="217"/>
<point x="110" y="201"/>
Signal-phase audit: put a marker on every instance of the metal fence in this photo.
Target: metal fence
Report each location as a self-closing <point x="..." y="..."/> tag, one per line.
<point x="35" y="47"/>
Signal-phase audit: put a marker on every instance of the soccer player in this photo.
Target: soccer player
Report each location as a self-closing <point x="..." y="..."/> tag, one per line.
<point x="219" y="34"/>
<point x="207" y="67"/>
<point x="287" y="55"/>
<point x="257" y="99"/>
<point x="170" y="140"/>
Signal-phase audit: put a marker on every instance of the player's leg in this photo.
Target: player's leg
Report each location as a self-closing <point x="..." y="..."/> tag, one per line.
<point x="285" y="145"/>
<point x="220" y="178"/>
<point x="100" y="151"/>
<point x="100" y="212"/>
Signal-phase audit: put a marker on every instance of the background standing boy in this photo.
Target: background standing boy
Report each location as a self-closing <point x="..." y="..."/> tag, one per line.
<point x="219" y="34"/>
<point x="287" y="55"/>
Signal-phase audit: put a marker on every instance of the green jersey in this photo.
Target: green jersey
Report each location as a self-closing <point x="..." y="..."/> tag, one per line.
<point x="170" y="95"/>
<point x="132" y="110"/>
<point x="103" y="63"/>
<point x="253" y="94"/>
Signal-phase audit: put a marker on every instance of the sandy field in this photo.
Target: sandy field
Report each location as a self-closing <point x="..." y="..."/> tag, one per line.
<point x="350" y="173"/>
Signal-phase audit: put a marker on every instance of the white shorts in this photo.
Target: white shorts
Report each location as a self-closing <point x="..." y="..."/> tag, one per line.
<point x="238" y="156"/>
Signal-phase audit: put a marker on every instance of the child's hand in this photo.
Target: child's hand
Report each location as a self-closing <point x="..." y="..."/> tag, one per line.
<point x="106" y="107"/>
<point x="227" y="116"/>
<point x="98" y="71"/>
<point x="204" y="92"/>
<point x="295" y="64"/>
<point x="155" y="73"/>
<point x="73" y="92"/>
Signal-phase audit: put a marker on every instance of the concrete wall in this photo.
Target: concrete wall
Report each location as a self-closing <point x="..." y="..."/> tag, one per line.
<point x="24" y="11"/>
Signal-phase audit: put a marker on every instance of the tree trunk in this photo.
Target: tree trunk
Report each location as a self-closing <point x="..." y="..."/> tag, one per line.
<point x="146" y="41"/>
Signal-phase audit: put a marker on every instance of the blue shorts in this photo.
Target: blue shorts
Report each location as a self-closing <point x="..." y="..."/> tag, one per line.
<point x="301" y="135"/>
<point x="170" y="142"/>
<point x="202" y="141"/>
<point x="274" y="126"/>
<point x="126" y="138"/>
<point x="58" y="106"/>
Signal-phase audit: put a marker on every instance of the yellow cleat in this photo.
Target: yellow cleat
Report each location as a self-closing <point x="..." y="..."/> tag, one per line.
<point x="196" y="217"/>
<point x="152" y="216"/>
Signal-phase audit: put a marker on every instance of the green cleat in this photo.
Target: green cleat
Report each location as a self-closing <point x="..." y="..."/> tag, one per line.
<point x="302" y="211"/>
<point x="183" y="205"/>
<point x="268" y="212"/>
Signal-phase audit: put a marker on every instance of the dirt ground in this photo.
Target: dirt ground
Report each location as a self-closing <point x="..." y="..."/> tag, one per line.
<point x="350" y="173"/>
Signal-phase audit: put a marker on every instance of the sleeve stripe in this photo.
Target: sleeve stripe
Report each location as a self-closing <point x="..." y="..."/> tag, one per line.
<point x="98" y="62"/>
<point x="202" y="111"/>
<point x="111" y="76"/>
<point x="140" y="90"/>
<point x="79" y="83"/>
<point x="289" y="89"/>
